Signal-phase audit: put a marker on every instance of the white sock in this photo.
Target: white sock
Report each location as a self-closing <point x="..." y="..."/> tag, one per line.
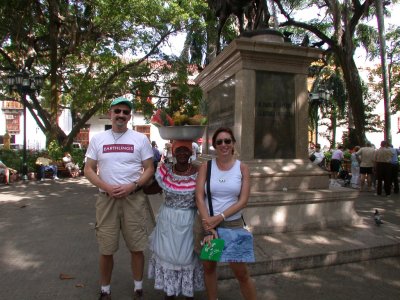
<point x="138" y="285"/>
<point x="106" y="289"/>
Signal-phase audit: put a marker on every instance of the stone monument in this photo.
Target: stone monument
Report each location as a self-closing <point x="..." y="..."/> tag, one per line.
<point x="258" y="87"/>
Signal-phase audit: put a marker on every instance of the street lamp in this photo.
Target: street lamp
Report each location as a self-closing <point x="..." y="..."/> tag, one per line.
<point x="24" y="83"/>
<point x="318" y="98"/>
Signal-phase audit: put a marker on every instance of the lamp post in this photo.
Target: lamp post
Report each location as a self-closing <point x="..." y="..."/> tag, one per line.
<point x="320" y="97"/>
<point x="24" y="83"/>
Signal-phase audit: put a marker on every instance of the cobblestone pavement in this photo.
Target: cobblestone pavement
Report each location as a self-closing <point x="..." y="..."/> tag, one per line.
<point x="48" y="251"/>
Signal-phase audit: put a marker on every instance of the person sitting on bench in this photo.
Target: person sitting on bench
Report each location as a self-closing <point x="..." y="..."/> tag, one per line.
<point x="45" y="163"/>
<point x="69" y="164"/>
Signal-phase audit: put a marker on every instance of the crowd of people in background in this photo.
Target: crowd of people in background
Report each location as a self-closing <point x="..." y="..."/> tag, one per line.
<point x="365" y="168"/>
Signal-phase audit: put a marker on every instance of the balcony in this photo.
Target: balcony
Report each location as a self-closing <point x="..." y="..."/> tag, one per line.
<point x="12" y="105"/>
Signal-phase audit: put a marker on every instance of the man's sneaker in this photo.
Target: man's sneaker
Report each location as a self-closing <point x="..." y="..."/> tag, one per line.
<point x="41" y="179"/>
<point x="138" y="295"/>
<point x="56" y="178"/>
<point x="104" y="296"/>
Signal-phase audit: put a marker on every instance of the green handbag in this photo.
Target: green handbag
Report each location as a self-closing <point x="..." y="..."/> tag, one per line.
<point x="213" y="250"/>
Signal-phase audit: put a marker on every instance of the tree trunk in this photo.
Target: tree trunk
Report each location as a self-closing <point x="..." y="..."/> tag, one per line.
<point x="54" y="94"/>
<point x="334" y="126"/>
<point x="355" y="94"/>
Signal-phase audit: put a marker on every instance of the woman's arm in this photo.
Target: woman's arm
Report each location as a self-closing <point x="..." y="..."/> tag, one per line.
<point x="209" y="230"/>
<point x="200" y="193"/>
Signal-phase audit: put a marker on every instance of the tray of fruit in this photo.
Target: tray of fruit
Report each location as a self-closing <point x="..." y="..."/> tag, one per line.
<point x="186" y="132"/>
<point x="179" y="126"/>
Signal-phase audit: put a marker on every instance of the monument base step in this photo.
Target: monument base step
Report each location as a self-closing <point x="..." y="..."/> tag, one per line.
<point x="297" y="250"/>
<point x="296" y="210"/>
<point x="289" y="251"/>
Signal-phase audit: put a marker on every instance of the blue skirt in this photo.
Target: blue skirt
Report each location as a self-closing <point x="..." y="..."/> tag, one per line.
<point x="238" y="245"/>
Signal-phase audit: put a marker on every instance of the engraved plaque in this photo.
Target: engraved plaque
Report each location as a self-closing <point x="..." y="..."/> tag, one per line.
<point x="274" y="116"/>
<point x="221" y="107"/>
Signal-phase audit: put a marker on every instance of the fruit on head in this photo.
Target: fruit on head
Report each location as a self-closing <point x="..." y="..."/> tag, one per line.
<point x="161" y="118"/>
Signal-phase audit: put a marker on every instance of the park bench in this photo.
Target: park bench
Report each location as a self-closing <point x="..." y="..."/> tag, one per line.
<point x="62" y="171"/>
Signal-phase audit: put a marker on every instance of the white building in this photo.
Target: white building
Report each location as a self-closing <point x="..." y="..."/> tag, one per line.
<point x="12" y="120"/>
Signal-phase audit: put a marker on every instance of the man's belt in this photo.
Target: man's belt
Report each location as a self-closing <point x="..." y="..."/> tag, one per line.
<point x="104" y="193"/>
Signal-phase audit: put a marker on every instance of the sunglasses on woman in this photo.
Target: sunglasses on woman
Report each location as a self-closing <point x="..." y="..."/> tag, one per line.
<point x="226" y="141"/>
<point x="124" y="111"/>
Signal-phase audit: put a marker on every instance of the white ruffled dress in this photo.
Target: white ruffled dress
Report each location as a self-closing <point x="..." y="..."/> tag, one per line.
<point x="173" y="264"/>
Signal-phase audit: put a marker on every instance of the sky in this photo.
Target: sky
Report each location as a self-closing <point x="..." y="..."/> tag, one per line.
<point x="176" y="42"/>
<point x="176" y="46"/>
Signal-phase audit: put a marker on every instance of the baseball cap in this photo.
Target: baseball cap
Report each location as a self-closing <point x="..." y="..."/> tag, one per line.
<point x="121" y="100"/>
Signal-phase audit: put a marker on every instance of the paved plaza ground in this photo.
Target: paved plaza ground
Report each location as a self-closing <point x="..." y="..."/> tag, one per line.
<point x="47" y="236"/>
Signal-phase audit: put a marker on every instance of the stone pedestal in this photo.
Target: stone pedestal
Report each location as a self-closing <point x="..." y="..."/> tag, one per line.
<point x="258" y="87"/>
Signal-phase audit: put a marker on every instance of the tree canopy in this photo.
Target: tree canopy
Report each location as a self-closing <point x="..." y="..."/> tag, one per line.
<point x="88" y="51"/>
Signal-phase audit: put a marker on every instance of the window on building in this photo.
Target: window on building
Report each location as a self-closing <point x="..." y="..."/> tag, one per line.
<point x="12" y="123"/>
<point x="83" y="136"/>
<point x="13" y="104"/>
<point x="145" y="129"/>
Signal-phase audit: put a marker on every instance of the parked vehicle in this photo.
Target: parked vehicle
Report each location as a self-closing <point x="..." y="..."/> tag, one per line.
<point x="76" y="145"/>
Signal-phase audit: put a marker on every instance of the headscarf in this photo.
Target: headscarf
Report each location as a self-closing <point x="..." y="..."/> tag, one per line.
<point x="181" y="143"/>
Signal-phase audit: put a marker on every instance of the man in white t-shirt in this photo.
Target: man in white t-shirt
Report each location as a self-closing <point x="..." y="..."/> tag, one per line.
<point x="119" y="162"/>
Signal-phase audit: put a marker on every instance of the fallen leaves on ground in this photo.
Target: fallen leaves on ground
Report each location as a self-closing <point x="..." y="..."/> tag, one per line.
<point x="65" y="276"/>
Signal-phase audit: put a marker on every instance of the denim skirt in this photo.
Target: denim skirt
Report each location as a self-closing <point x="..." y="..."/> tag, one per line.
<point x="238" y="245"/>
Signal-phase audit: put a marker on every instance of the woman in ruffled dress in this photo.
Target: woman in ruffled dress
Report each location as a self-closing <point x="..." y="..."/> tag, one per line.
<point x="173" y="264"/>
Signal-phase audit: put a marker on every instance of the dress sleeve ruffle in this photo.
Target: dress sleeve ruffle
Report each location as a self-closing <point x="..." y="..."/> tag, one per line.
<point x="171" y="182"/>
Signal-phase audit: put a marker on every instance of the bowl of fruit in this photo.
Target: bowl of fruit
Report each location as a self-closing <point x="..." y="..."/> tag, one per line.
<point x="179" y="126"/>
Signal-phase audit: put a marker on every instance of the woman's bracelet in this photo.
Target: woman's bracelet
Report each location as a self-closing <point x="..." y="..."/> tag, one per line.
<point x="223" y="216"/>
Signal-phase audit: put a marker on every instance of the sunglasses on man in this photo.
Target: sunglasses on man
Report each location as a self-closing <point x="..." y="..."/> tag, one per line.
<point x="124" y="111"/>
<point x="226" y="141"/>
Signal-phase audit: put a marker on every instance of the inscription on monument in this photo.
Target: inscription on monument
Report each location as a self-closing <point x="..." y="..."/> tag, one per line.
<point x="221" y="107"/>
<point x="274" y="116"/>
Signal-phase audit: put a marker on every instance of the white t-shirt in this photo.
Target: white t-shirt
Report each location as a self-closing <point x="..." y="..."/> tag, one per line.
<point x="67" y="159"/>
<point x="120" y="162"/>
<point x="319" y="156"/>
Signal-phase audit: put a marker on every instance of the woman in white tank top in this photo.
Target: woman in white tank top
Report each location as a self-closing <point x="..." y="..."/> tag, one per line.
<point x="230" y="189"/>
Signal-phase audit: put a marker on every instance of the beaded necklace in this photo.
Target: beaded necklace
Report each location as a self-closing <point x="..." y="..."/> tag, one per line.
<point x="182" y="173"/>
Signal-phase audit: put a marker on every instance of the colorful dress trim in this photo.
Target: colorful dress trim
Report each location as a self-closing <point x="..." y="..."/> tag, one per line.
<point x="178" y="184"/>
